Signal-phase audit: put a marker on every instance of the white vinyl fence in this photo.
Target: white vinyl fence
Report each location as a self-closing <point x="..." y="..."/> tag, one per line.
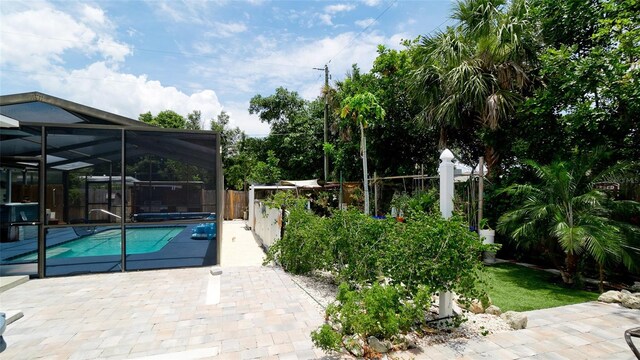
<point x="267" y="223"/>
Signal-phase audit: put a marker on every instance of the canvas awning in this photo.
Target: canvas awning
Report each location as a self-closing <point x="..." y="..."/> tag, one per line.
<point x="302" y="184"/>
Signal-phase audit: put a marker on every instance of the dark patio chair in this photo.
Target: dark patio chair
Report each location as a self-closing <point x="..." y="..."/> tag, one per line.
<point x="634" y="332"/>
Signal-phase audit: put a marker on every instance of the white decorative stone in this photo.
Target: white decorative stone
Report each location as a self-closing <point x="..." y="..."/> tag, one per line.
<point x="635" y="287"/>
<point x="493" y="310"/>
<point x="515" y="319"/>
<point x="630" y="301"/>
<point x="611" y="296"/>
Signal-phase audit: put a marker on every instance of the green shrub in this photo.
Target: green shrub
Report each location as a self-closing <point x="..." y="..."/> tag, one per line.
<point x="426" y="202"/>
<point x="435" y="252"/>
<point x="379" y="310"/>
<point x="304" y="246"/>
<point x="356" y="242"/>
<point x="425" y="255"/>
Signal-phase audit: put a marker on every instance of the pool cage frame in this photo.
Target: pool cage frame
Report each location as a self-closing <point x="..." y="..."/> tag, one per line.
<point x="115" y="124"/>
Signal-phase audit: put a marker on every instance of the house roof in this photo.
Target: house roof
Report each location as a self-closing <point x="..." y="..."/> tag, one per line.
<point x="36" y="107"/>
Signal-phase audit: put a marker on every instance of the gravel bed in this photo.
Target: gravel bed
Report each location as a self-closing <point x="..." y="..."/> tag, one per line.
<point x="321" y="287"/>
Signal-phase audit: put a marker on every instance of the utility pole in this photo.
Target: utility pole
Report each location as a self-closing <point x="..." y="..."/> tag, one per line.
<point x="326" y="118"/>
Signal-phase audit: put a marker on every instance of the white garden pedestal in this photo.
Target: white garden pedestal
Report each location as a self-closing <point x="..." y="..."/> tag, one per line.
<point x="446" y="170"/>
<point x="488" y="237"/>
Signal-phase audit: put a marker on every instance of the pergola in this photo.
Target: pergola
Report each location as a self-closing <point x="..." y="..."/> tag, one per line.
<point x="53" y="150"/>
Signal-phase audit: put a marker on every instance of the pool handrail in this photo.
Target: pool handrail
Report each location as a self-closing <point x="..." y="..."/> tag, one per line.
<point x="105" y="212"/>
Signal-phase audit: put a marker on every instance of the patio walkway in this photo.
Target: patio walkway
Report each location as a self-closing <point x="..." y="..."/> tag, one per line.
<point x="591" y="330"/>
<point x="262" y="314"/>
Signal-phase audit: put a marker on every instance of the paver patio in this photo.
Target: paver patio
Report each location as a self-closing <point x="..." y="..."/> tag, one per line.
<point x="591" y="330"/>
<point x="262" y="314"/>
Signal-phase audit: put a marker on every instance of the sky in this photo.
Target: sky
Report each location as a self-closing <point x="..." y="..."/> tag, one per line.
<point x="130" y="57"/>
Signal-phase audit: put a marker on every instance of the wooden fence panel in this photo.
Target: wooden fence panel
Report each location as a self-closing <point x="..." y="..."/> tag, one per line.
<point x="235" y="204"/>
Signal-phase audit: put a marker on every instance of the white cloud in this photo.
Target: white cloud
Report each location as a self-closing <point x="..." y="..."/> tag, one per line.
<point x="191" y="11"/>
<point x="204" y="48"/>
<point x="257" y="65"/>
<point x="39" y="48"/>
<point x="171" y="12"/>
<point x="365" y="22"/>
<point x="227" y="29"/>
<point x="325" y="19"/>
<point x="93" y="15"/>
<point x="333" y="9"/>
<point x="291" y="65"/>
<point x="372" y="2"/>
<point x="103" y="87"/>
<point x="240" y="117"/>
<point x="42" y="43"/>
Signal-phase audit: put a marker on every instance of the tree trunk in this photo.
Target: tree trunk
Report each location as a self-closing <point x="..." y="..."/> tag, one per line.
<point x="364" y="169"/>
<point x="492" y="159"/>
<point x="601" y="282"/>
<point x="571" y="267"/>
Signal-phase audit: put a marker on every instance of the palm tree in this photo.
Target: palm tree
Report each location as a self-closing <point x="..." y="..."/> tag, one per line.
<point x="566" y="208"/>
<point x="363" y="108"/>
<point x="475" y="73"/>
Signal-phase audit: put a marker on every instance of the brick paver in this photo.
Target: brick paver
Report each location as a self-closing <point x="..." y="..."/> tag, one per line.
<point x="590" y="330"/>
<point x="146" y="313"/>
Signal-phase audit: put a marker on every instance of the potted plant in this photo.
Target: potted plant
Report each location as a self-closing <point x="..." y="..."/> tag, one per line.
<point x="487" y="234"/>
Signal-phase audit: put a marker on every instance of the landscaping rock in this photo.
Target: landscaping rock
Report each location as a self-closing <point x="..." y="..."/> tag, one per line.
<point x="354" y="346"/>
<point x="403" y="342"/>
<point x="493" y="310"/>
<point x="635" y="287"/>
<point x="625" y="292"/>
<point x="515" y="319"/>
<point x="630" y="301"/>
<point x="611" y="296"/>
<point x="377" y="345"/>
<point x="476" y="307"/>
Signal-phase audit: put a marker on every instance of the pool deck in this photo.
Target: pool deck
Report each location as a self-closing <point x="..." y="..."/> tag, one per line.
<point x="262" y="314"/>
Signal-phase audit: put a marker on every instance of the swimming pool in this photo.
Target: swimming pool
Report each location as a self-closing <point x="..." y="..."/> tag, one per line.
<point x="104" y="243"/>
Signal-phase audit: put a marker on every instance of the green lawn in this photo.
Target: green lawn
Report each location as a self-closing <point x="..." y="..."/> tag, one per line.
<point x="517" y="288"/>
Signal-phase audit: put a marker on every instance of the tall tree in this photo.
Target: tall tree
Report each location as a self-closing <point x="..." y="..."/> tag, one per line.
<point x="165" y="119"/>
<point x="591" y="73"/>
<point x="364" y="110"/>
<point x="296" y="132"/>
<point x="230" y="137"/>
<point x="194" y="120"/>
<point x="472" y="76"/>
<point x="266" y="172"/>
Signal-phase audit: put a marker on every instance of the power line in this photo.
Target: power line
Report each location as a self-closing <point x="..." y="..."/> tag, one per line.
<point x="363" y="30"/>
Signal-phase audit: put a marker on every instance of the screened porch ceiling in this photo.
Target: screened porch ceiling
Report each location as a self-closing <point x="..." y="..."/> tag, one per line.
<point x="75" y="148"/>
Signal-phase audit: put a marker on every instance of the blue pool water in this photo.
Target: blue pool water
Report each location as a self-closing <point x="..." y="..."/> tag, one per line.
<point x="139" y="241"/>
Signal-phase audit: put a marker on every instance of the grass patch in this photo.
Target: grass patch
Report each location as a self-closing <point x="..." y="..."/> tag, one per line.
<point x="518" y="288"/>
